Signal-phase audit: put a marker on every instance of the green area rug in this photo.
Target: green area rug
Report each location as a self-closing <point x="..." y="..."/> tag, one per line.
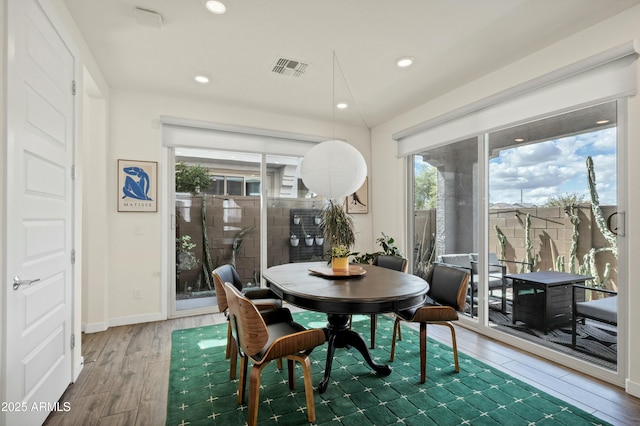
<point x="200" y="392"/>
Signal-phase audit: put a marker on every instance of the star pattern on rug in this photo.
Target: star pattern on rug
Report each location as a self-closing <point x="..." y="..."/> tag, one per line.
<point x="200" y="390"/>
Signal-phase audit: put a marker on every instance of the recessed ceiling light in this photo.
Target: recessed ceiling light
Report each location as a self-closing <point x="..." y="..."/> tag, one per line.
<point x="202" y="79"/>
<point x="404" y="62"/>
<point x="216" y="7"/>
<point x="602" y="122"/>
<point x="518" y="140"/>
<point x="342" y="105"/>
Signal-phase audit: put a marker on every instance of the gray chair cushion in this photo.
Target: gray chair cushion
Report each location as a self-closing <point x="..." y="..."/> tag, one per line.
<point x="461" y="260"/>
<point x="605" y="309"/>
<point x="494" y="263"/>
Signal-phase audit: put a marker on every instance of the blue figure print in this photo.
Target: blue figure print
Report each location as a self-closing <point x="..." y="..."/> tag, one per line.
<point x="136" y="185"/>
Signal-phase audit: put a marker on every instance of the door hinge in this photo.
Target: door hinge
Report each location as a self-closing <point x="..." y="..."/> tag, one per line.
<point x="73" y="87"/>
<point x="73" y="341"/>
<point x="73" y="256"/>
<point x="73" y="172"/>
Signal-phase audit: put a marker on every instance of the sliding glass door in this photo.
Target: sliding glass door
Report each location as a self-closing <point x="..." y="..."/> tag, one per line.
<point x="445" y="208"/>
<point x="553" y="206"/>
<point x="217" y="221"/>
<point x="545" y="194"/>
<point x="220" y="218"/>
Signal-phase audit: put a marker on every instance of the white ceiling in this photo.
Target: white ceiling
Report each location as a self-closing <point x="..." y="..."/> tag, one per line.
<point x="452" y="41"/>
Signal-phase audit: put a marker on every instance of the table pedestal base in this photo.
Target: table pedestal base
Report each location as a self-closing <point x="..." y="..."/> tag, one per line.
<point x="340" y="336"/>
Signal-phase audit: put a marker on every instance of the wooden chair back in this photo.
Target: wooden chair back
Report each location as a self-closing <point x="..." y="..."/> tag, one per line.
<point x="224" y="274"/>
<point x="247" y="325"/>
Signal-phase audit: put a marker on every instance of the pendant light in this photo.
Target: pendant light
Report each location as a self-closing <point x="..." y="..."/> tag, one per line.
<point x="333" y="169"/>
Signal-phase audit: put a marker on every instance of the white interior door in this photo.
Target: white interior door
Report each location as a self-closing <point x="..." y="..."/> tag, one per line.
<point x="39" y="229"/>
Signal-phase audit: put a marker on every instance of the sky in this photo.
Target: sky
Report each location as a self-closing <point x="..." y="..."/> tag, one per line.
<point x="533" y="173"/>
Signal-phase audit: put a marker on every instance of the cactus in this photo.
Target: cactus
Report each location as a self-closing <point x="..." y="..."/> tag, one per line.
<point x="503" y="242"/>
<point x="527" y="244"/>
<point x="597" y="212"/>
<point x="575" y="222"/>
<point x="207" y="264"/>
<point x="589" y="265"/>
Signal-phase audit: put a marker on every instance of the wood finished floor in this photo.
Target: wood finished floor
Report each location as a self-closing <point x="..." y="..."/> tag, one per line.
<point x="126" y="375"/>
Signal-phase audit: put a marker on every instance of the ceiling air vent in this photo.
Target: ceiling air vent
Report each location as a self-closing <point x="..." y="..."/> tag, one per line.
<point x="290" y="67"/>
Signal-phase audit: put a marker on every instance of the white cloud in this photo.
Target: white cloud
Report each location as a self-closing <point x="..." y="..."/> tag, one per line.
<point x="533" y="173"/>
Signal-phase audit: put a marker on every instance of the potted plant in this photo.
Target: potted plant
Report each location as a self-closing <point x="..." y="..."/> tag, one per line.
<point x="308" y="238"/>
<point x="294" y="240"/>
<point x="340" y="258"/>
<point x="388" y="249"/>
<point x="319" y="239"/>
<point x="296" y="219"/>
<point x="338" y="229"/>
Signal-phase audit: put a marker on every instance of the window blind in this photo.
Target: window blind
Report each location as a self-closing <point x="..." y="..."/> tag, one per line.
<point x="178" y="132"/>
<point x="602" y="77"/>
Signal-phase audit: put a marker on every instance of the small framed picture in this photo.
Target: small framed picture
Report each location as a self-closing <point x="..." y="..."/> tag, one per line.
<point x="358" y="201"/>
<point x="137" y="186"/>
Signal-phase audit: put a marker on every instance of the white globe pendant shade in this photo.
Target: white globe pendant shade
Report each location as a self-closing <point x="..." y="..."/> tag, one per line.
<point x="333" y="169"/>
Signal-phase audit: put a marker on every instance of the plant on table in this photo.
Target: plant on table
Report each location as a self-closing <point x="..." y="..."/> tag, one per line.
<point x="339" y="230"/>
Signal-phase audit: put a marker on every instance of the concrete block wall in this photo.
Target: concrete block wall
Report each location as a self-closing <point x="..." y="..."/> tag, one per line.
<point x="227" y="216"/>
<point x="551" y="236"/>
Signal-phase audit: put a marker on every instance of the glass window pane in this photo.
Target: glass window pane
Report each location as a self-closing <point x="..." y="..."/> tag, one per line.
<point x="252" y="186"/>
<point x="234" y="185"/>
<point x="212" y="228"/>
<point x="292" y="210"/>
<point x="548" y="214"/>
<point x="217" y="185"/>
<point x="445" y="203"/>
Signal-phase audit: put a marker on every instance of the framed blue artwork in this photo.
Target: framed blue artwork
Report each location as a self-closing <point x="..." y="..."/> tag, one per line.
<point x="137" y="186"/>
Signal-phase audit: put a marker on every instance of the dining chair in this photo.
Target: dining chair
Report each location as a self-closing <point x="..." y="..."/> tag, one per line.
<point x="263" y="337"/>
<point x="264" y="299"/>
<point x="390" y="262"/>
<point x="446" y="296"/>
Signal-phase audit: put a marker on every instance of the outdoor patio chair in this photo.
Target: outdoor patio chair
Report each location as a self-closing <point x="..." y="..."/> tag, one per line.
<point x="446" y="296"/>
<point x="262" y="341"/>
<point x="264" y="300"/>
<point x="603" y="310"/>
<point x="497" y="281"/>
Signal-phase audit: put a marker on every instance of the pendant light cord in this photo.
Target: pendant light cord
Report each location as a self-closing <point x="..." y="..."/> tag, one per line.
<point x="336" y="61"/>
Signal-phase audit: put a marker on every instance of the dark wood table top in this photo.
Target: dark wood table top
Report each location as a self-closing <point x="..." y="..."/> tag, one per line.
<point x="549" y="277"/>
<point x="379" y="290"/>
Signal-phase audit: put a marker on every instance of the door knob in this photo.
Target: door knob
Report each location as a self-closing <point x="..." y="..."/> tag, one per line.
<point x="17" y="282"/>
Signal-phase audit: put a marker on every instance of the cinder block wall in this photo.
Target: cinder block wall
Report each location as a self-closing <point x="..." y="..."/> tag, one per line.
<point x="225" y="218"/>
<point x="551" y="234"/>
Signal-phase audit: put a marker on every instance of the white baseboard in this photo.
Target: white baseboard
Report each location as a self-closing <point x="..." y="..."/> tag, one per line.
<point x="115" y="322"/>
<point x="632" y="388"/>
<point x="95" y="327"/>
<point x="136" y="319"/>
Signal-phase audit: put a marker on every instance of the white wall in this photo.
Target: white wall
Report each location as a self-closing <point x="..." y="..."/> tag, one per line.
<point x="135" y="261"/>
<point x="390" y="174"/>
<point x="3" y="143"/>
<point x="92" y="171"/>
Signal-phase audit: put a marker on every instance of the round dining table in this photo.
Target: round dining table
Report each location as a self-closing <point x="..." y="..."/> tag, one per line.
<point x="365" y="289"/>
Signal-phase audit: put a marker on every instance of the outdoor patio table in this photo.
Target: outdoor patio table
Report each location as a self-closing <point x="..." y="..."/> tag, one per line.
<point x="544" y="299"/>
<point x="377" y="291"/>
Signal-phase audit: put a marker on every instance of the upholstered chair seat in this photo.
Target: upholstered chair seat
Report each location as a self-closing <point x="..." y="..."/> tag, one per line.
<point x="446" y="296"/>
<point x="263" y="337"/>
<point x="264" y="299"/>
